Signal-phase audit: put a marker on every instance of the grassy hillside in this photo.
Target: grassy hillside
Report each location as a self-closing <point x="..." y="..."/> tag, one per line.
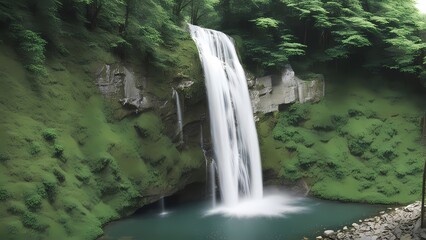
<point x="67" y="166"/>
<point x="361" y="143"/>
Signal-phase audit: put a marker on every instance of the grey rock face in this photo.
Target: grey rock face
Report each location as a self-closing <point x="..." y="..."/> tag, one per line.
<point x="271" y="91"/>
<point x="119" y="83"/>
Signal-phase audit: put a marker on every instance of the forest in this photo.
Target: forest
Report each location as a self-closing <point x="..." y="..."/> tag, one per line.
<point x="377" y="35"/>
<point x="106" y="117"/>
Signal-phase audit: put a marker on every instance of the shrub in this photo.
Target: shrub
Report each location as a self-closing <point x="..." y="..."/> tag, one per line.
<point x="358" y="145"/>
<point x="387" y="189"/>
<point x="383" y="170"/>
<point x="49" y="134"/>
<point x="339" y="120"/>
<point x="4" y="157"/>
<point x="59" y="175"/>
<point x="4" y="195"/>
<point x="291" y="146"/>
<point x="69" y="206"/>
<point x="30" y="220"/>
<point x="16" y="209"/>
<point x="32" y="48"/>
<point x="355" y="112"/>
<point x="284" y="134"/>
<point x="101" y="163"/>
<point x="387" y="153"/>
<point x="58" y="150"/>
<point x="365" y="174"/>
<point x="50" y="188"/>
<point x="13" y="228"/>
<point x="33" y="201"/>
<point x="323" y="126"/>
<point x="307" y="158"/>
<point x="83" y="175"/>
<point x="296" y="114"/>
<point x="35" y="148"/>
<point x="364" y="185"/>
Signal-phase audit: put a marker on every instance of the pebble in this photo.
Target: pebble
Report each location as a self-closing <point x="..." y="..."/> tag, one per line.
<point x="328" y="233"/>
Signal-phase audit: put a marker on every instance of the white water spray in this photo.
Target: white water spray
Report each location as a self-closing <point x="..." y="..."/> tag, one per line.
<point x="233" y="129"/>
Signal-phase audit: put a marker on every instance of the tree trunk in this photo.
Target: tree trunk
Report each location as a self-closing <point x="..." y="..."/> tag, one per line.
<point x="92" y="13"/>
<point x="123" y="27"/>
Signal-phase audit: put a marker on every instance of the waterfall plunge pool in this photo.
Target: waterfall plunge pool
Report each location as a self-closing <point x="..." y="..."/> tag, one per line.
<point x="306" y="217"/>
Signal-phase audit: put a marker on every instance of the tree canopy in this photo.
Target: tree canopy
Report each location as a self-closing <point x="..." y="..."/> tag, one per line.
<point x="389" y="33"/>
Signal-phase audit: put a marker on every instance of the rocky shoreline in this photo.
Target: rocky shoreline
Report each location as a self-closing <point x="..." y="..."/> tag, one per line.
<point x="399" y="223"/>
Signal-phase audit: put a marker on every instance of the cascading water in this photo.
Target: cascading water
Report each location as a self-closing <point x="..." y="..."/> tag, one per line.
<point x="234" y="137"/>
<point x="233" y="129"/>
<point x="179" y="114"/>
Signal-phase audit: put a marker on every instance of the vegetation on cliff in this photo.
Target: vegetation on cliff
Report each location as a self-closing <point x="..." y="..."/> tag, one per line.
<point x="362" y="142"/>
<point x="68" y="165"/>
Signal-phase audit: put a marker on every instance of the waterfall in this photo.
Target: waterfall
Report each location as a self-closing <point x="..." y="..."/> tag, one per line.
<point x="179" y="114"/>
<point x="234" y="136"/>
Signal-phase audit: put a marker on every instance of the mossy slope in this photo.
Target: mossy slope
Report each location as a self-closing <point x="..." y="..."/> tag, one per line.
<point x="361" y="143"/>
<point x="66" y="165"/>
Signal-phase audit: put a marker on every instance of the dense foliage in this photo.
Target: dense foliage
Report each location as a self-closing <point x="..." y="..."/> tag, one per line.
<point x="380" y="33"/>
<point x="377" y="34"/>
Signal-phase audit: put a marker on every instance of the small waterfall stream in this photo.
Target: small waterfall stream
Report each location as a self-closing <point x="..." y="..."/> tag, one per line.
<point x="179" y="115"/>
<point x="213" y="182"/>
<point x="162" y="207"/>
